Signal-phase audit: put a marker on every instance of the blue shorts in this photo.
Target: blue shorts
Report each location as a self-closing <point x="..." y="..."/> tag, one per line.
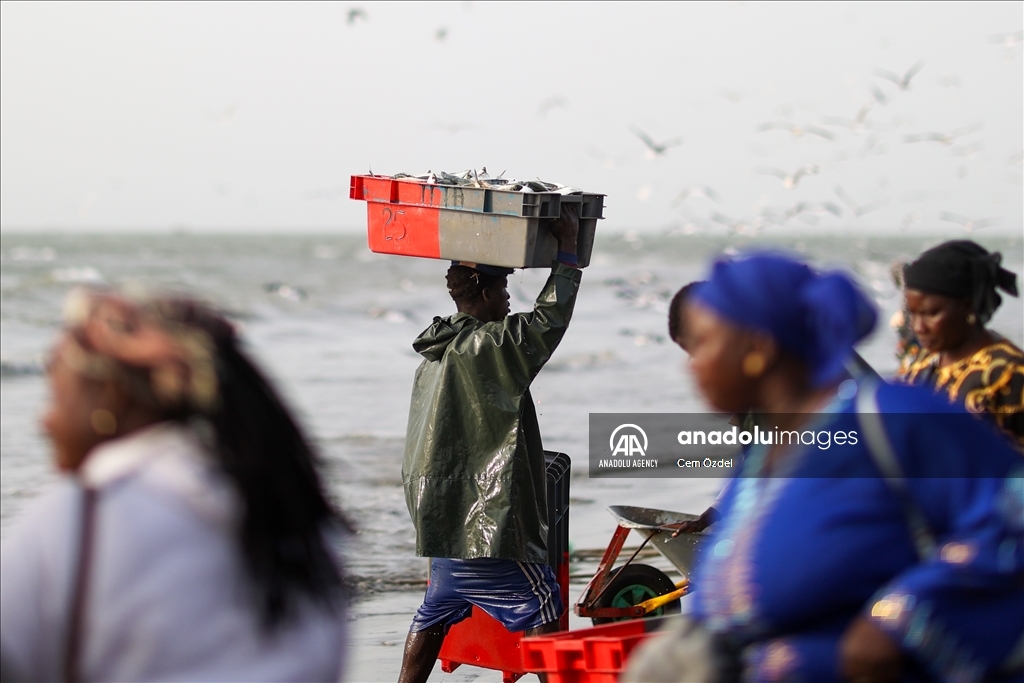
<point x="521" y="595"/>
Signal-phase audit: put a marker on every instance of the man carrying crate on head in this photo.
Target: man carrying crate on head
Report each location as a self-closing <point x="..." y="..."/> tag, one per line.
<point x="474" y="470"/>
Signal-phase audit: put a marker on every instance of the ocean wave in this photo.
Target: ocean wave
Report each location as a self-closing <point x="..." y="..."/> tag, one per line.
<point x="32" y="254"/>
<point x="22" y="367"/>
<point x="77" y="275"/>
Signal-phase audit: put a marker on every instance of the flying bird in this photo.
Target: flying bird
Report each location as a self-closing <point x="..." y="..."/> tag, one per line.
<point x="944" y="138"/>
<point x="226" y="115"/>
<point x="814" y="208"/>
<point x="856" y="123"/>
<point x="1007" y="39"/>
<point x="732" y="96"/>
<point x="968" y="223"/>
<point x="858" y="210"/>
<point x="739" y="226"/>
<point x="809" y="211"/>
<point x="879" y="96"/>
<point x="604" y="159"/>
<point x="441" y="34"/>
<point x="796" y="129"/>
<point x="968" y="150"/>
<point x="902" y="82"/>
<point x="355" y="14"/>
<point x="789" y="180"/>
<point x="656" y="148"/>
<point x="695" y="191"/>
<point x="549" y="104"/>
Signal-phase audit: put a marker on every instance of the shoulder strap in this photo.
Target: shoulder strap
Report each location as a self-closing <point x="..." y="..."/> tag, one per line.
<point x="79" y="588"/>
<point x="880" y="448"/>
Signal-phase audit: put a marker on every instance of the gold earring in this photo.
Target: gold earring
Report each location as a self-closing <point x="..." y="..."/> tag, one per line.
<point x="103" y="422"/>
<point x="971" y="318"/>
<point x="753" y="364"/>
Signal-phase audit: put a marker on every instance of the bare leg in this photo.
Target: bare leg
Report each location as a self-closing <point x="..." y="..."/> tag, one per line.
<point x="550" y="627"/>
<point x="421" y="650"/>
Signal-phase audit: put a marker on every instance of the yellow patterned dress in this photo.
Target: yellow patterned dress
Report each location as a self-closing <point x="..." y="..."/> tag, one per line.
<point x="988" y="383"/>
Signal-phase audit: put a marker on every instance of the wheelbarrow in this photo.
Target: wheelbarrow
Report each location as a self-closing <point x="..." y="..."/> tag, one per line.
<point x="634" y="590"/>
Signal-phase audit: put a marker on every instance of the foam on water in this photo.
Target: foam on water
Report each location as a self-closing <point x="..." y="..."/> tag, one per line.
<point x="332" y="323"/>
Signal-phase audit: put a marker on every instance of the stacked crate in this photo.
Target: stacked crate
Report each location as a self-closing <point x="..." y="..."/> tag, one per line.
<point x="474" y="224"/>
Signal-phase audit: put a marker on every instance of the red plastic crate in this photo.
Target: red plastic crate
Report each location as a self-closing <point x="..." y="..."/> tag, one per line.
<point x="482" y="641"/>
<point x="478" y="225"/>
<point x="592" y="655"/>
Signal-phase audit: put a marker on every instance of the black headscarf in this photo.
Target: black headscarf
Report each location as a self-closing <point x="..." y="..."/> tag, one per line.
<point x="962" y="269"/>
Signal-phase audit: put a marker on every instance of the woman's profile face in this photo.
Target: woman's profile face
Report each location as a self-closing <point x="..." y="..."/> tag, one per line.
<point x="939" y="322"/>
<point x="69" y="419"/>
<point x="716" y="350"/>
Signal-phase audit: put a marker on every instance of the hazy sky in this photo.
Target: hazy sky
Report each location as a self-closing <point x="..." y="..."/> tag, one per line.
<point x="213" y="116"/>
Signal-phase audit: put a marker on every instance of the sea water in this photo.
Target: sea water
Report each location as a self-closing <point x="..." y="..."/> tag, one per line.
<point x="333" y="324"/>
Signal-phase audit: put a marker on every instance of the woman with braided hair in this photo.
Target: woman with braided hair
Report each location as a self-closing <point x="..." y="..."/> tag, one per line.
<point x="187" y="540"/>
<point x="950" y="293"/>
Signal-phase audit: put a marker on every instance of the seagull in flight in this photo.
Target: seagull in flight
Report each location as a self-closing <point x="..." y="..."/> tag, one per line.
<point x="656" y="148"/>
<point x="808" y="211"/>
<point x="968" y="150"/>
<point x="968" y="223"/>
<point x="856" y="124"/>
<point x="813" y="207"/>
<point x="943" y="138"/>
<point x="695" y="191"/>
<point x="902" y="82"/>
<point x="739" y="226"/>
<point x="796" y="129"/>
<point x="549" y="104"/>
<point x="879" y="96"/>
<point x="355" y="14"/>
<point x="857" y="209"/>
<point x="1007" y="39"/>
<point x="605" y="160"/>
<point x="789" y="180"/>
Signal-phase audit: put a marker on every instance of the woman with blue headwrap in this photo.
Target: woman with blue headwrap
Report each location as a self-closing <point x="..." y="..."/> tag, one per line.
<point x="875" y="533"/>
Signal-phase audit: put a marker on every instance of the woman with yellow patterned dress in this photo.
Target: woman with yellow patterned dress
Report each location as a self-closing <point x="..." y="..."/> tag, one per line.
<point x="950" y="295"/>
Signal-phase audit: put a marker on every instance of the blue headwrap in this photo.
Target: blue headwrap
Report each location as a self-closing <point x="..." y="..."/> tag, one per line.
<point x="815" y="317"/>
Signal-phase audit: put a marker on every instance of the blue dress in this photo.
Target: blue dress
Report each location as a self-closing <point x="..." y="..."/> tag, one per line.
<point x="798" y="555"/>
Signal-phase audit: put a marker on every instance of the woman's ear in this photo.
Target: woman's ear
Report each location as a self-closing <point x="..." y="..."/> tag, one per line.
<point x="759" y="343"/>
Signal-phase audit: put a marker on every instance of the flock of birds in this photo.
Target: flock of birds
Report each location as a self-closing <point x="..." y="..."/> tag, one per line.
<point x="807" y="211"/>
<point x="811" y="212"/>
<point x="356" y="15"/>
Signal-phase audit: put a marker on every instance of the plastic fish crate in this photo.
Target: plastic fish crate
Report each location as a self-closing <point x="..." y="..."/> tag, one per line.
<point x="470" y="224"/>
<point x="591" y="655"/>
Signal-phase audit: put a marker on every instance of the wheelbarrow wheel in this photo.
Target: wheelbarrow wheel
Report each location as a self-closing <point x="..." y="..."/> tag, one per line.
<point x="632" y="584"/>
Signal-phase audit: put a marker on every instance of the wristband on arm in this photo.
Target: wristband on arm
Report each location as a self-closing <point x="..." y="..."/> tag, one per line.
<point x="567" y="258"/>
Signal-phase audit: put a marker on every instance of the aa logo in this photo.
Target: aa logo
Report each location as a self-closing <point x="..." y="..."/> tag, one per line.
<point x="629" y="441"/>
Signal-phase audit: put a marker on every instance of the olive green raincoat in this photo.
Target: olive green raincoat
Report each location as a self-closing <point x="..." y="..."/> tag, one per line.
<point x="474" y="464"/>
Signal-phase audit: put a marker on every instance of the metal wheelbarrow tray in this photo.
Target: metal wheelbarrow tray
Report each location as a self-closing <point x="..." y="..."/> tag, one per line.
<point x="636" y="590"/>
